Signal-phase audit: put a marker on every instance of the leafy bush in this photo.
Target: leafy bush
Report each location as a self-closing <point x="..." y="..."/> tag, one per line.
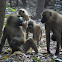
<point x="8" y="9"/>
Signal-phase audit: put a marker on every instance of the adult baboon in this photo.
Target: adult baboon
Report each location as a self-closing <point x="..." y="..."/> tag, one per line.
<point x="15" y="36"/>
<point x="35" y="29"/>
<point x="53" y="22"/>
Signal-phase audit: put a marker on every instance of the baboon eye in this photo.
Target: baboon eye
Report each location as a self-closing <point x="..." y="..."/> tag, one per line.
<point x="50" y="13"/>
<point x="23" y="11"/>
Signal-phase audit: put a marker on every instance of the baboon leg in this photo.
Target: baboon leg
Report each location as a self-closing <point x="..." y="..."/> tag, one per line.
<point x="58" y="36"/>
<point x="34" y="35"/>
<point x="31" y="44"/>
<point x="48" y="39"/>
<point x="27" y="33"/>
<point x="14" y="46"/>
<point x="38" y="39"/>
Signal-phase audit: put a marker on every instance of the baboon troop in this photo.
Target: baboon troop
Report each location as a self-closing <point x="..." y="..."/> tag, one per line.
<point x="14" y="33"/>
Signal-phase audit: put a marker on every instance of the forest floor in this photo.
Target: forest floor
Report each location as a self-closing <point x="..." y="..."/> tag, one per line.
<point x="42" y="55"/>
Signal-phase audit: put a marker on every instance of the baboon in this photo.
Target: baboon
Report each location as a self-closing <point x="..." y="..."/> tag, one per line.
<point x="53" y="22"/>
<point x="35" y="29"/>
<point x="15" y="36"/>
<point x="24" y="14"/>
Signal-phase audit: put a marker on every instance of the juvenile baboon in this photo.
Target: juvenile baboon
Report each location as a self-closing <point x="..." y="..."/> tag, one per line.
<point x="35" y="29"/>
<point x="53" y="22"/>
<point x="15" y="36"/>
<point x="24" y="14"/>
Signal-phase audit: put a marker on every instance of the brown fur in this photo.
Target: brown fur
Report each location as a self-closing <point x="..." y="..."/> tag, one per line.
<point x="15" y="36"/>
<point x="53" y="22"/>
<point x="24" y="14"/>
<point x="36" y="30"/>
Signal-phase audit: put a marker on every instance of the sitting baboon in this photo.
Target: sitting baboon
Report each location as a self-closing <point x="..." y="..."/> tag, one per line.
<point x="15" y="36"/>
<point x="35" y="29"/>
<point x="53" y="22"/>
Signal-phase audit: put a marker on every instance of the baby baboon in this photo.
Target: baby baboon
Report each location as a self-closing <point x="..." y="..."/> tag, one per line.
<point x="15" y="36"/>
<point x="53" y="22"/>
<point x="35" y="29"/>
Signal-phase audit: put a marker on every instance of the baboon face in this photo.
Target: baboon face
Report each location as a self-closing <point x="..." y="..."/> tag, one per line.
<point x="15" y="20"/>
<point x="30" y="24"/>
<point x="19" y="22"/>
<point x="21" y="12"/>
<point x="46" y="15"/>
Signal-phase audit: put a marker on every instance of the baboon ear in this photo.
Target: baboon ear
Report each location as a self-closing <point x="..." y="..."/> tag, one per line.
<point x="50" y="13"/>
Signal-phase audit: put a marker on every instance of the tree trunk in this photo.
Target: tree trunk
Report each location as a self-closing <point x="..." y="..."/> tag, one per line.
<point x="2" y="14"/>
<point x="46" y="3"/>
<point x="12" y="3"/>
<point x="24" y="3"/>
<point x="40" y="7"/>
